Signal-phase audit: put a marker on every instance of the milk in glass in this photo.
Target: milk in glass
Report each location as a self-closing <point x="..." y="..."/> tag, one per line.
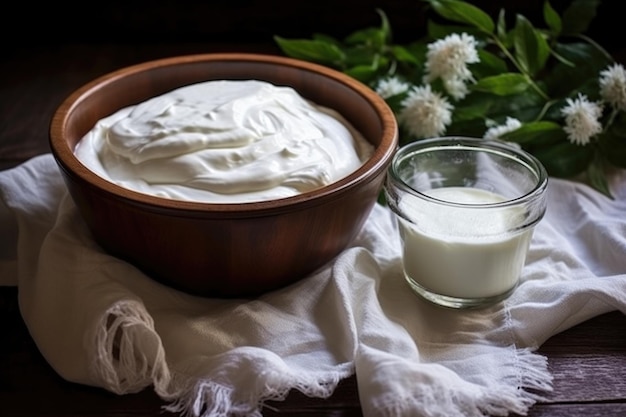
<point x="462" y="250"/>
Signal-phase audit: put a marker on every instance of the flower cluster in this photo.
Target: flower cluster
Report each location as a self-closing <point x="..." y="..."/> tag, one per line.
<point x="552" y="90"/>
<point x="426" y="113"/>
<point x="447" y="59"/>
<point x="582" y="119"/>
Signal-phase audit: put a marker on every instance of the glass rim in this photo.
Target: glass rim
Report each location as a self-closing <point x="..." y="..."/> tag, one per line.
<point x="496" y="147"/>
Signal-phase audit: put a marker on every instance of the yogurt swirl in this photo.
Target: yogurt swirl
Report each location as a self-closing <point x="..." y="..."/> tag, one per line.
<point x="223" y="142"/>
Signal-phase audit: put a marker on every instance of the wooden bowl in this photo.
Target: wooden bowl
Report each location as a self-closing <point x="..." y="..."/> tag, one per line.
<point x="224" y="250"/>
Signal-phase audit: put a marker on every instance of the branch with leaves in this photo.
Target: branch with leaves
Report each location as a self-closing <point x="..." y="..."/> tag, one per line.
<point x="551" y="89"/>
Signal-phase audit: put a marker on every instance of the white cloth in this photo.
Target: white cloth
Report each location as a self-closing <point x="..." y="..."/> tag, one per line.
<point x="99" y="321"/>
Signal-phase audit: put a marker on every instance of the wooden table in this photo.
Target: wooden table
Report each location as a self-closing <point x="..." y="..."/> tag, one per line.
<point x="588" y="361"/>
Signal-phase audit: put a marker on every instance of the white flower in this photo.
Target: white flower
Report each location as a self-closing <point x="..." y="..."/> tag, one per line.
<point x="613" y="86"/>
<point x="391" y="86"/>
<point x="456" y="88"/>
<point x="495" y="132"/>
<point x="581" y="119"/>
<point x="425" y="113"/>
<point x="447" y="59"/>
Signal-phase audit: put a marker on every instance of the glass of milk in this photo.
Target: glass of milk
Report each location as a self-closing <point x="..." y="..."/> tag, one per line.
<point x="466" y="209"/>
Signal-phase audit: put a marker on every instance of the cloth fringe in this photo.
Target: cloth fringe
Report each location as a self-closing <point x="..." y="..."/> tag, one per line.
<point x="440" y="393"/>
<point x="210" y="398"/>
<point x="533" y="376"/>
<point x="129" y="355"/>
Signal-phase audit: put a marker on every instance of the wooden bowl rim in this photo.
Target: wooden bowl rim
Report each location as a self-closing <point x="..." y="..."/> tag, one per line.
<point x="377" y="162"/>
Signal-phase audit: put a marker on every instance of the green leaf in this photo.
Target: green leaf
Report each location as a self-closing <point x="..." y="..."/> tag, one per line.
<point x="525" y="106"/>
<point x="359" y="55"/>
<point x="538" y="133"/>
<point x="502" y="85"/>
<point x="363" y="73"/>
<point x="472" y="110"/>
<point x="488" y="65"/>
<point x="311" y="50"/>
<point x="409" y="61"/>
<point x="531" y="49"/>
<point x="372" y="37"/>
<point x="395" y="102"/>
<point x="565" y="159"/>
<point x="326" y="38"/>
<point x="462" y="12"/>
<point x="613" y="147"/>
<point x="578" y="16"/>
<point x="403" y="54"/>
<point x="588" y="62"/>
<point x="501" y="26"/>
<point x="473" y="127"/>
<point x="385" y="26"/>
<point x="560" y="58"/>
<point x="552" y="18"/>
<point x="419" y="50"/>
<point x="366" y="72"/>
<point x="597" y="177"/>
<point x="618" y="127"/>
<point x="375" y="37"/>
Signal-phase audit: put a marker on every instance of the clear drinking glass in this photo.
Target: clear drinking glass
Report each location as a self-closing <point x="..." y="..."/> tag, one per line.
<point x="466" y="208"/>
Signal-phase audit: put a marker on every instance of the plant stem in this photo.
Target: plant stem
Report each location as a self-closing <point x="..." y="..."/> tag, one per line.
<point x="519" y="68"/>
<point x="544" y="109"/>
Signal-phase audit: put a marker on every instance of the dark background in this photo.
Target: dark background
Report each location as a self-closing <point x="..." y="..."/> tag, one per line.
<point x="234" y="21"/>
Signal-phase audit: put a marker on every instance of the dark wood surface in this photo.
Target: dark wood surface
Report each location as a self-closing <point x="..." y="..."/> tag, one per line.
<point x="588" y="361"/>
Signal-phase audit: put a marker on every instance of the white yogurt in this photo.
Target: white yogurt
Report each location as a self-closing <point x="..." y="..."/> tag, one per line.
<point x="224" y="142"/>
<point x="463" y="252"/>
